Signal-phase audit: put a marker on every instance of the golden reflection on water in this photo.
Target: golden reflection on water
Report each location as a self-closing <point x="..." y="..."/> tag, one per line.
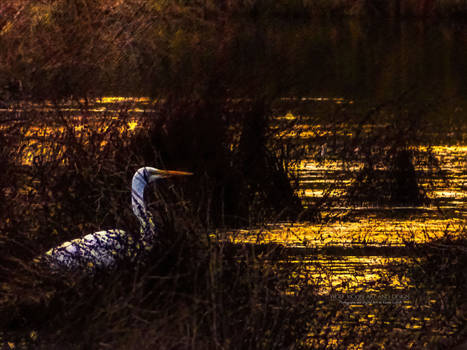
<point x="367" y="229"/>
<point x="362" y="232"/>
<point x="120" y="99"/>
<point x="46" y="142"/>
<point x="370" y="227"/>
<point x="349" y="273"/>
<point x="319" y="177"/>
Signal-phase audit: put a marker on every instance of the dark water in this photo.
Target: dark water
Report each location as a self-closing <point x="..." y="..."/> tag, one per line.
<point x="371" y="61"/>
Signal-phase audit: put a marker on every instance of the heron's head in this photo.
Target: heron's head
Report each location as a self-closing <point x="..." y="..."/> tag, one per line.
<point x="147" y="175"/>
<point x="141" y="179"/>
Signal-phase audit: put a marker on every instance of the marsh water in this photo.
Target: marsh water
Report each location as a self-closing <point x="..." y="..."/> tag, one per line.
<point x="364" y="237"/>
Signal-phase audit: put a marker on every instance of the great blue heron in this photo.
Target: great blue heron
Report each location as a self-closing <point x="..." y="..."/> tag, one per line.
<point x="103" y="249"/>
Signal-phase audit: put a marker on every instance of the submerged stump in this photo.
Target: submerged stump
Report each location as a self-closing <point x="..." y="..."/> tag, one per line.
<point x="395" y="184"/>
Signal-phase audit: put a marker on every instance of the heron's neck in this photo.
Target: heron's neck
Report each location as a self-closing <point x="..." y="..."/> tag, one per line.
<point x="139" y="183"/>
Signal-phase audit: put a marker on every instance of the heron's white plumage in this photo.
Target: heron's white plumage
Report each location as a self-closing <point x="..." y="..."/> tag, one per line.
<point x="98" y="250"/>
<point x="103" y="249"/>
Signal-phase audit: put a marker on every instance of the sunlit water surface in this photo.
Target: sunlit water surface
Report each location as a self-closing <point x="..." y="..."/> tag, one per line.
<point x="366" y="244"/>
<point x="375" y="226"/>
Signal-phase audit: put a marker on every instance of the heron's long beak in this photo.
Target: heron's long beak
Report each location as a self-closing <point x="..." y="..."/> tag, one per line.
<point x="169" y="173"/>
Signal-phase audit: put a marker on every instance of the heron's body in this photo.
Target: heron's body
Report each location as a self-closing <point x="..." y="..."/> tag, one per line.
<point x="98" y="250"/>
<point x="104" y="249"/>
